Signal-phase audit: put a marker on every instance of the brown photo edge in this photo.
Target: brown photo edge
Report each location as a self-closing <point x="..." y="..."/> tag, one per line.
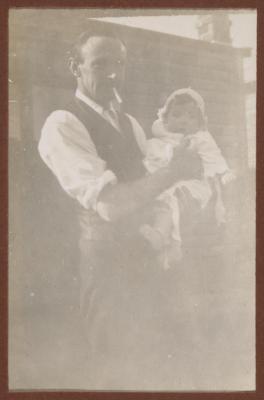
<point x="127" y="4"/>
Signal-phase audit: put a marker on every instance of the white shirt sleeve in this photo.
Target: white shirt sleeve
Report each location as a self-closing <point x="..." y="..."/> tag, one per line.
<point x="67" y="149"/>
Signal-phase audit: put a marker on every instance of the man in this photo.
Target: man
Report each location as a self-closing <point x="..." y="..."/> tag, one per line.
<point x="95" y="150"/>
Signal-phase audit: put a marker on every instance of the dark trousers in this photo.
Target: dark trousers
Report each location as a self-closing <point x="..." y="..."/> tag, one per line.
<point x="128" y="305"/>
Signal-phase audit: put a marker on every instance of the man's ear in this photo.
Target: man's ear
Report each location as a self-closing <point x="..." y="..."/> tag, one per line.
<point x="74" y="67"/>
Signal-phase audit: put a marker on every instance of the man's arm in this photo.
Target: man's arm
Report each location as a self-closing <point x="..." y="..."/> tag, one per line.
<point x="67" y="149"/>
<point x="120" y="200"/>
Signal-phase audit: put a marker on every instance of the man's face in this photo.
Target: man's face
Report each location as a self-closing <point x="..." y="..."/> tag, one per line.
<point x="102" y="68"/>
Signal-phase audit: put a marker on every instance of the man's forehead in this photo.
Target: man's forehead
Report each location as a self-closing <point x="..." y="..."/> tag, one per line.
<point x="103" y="45"/>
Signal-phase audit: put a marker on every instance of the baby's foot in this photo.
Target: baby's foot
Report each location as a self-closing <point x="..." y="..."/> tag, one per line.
<point x="153" y="236"/>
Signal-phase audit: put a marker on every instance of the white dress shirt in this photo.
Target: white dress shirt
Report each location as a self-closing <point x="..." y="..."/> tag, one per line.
<point x="68" y="150"/>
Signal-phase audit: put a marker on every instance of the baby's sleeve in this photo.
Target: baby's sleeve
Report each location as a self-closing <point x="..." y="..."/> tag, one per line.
<point x="158" y="129"/>
<point x="213" y="160"/>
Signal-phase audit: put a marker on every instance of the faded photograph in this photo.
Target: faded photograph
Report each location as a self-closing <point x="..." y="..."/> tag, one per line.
<point x="132" y="163"/>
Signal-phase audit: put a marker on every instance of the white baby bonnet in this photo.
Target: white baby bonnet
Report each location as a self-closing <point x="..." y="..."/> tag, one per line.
<point x="197" y="98"/>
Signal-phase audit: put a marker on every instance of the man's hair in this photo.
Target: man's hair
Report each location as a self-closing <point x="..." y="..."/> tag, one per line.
<point x="101" y="30"/>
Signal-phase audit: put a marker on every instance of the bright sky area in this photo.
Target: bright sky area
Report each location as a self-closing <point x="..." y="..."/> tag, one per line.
<point x="243" y="30"/>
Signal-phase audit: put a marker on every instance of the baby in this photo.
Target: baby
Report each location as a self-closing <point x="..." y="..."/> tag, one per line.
<point x="182" y="121"/>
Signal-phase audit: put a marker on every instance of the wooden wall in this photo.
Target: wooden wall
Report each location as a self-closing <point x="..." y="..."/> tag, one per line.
<point x="157" y="65"/>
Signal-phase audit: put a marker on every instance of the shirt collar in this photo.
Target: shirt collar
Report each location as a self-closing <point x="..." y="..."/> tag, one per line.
<point x="114" y="105"/>
<point x="91" y="103"/>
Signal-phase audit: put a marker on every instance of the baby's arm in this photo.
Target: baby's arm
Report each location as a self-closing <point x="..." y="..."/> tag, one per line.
<point x="213" y="161"/>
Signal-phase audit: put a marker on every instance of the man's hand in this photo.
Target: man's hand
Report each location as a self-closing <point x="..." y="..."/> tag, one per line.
<point x="186" y="163"/>
<point x="123" y="199"/>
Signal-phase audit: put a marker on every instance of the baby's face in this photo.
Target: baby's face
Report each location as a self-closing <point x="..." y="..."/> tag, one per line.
<point x="183" y="118"/>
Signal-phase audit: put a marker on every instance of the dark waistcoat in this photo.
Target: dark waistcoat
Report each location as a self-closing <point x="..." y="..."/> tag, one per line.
<point x="121" y="153"/>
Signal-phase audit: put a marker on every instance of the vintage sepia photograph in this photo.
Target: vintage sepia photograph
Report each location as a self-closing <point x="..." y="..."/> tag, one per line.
<point x="131" y="187"/>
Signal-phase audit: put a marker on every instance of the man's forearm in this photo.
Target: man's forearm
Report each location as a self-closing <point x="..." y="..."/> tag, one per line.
<point x="125" y="198"/>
